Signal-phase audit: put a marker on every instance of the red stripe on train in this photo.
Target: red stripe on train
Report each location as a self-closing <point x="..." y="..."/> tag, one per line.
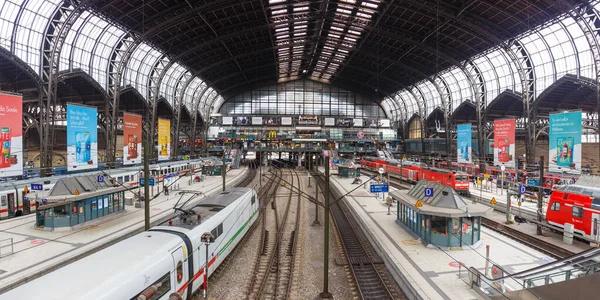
<point x="197" y="275"/>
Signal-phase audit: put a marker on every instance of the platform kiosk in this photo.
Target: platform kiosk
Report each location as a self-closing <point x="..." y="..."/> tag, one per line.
<point x="77" y="200"/>
<point x="438" y="216"/>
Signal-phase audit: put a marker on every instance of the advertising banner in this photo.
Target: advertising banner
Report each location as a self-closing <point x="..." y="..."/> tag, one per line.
<point x="463" y="142"/>
<point x="358" y="122"/>
<point x="565" y="142"/>
<point x="132" y="139"/>
<point x="164" y="139"/>
<point x="504" y="142"/>
<point x="227" y="120"/>
<point x="329" y="122"/>
<point x="257" y="121"/>
<point x="82" y="137"/>
<point x="286" y="120"/>
<point x="11" y="135"/>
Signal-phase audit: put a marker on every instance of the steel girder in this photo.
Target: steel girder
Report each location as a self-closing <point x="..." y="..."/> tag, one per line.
<point x="478" y="86"/>
<point x="118" y="61"/>
<point x="154" y="81"/>
<point x="179" y="94"/>
<point x="446" y="97"/>
<point x="194" y="123"/>
<point x="422" y="104"/>
<point x="59" y="25"/>
<point x="588" y="20"/>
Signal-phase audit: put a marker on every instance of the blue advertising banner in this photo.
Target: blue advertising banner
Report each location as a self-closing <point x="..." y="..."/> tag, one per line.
<point x="82" y="137"/>
<point x="565" y="142"/>
<point x="463" y="143"/>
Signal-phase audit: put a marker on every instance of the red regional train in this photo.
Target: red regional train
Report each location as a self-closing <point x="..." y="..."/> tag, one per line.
<point x="551" y="180"/>
<point x="414" y="171"/>
<point x="578" y="205"/>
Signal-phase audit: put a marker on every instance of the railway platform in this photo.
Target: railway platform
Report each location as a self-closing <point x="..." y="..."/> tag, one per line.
<point x="426" y="273"/>
<point x="36" y="252"/>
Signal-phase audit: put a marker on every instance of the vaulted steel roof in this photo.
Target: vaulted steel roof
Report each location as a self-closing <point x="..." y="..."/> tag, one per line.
<point x="366" y="46"/>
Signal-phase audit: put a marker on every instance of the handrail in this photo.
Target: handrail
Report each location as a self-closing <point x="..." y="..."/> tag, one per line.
<point x="585" y="255"/>
<point x="567" y="273"/>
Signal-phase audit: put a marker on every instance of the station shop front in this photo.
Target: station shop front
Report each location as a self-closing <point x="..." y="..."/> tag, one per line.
<point x="74" y="212"/>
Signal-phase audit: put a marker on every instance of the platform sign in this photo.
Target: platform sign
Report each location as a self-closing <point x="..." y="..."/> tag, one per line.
<point x="493" y="200"/>
<point x="419" y="204"/>
<point x="11" y="135"/>
<point x="565" y="141"/>
<point x="428" y="192"/>
<point x="463" y="140"/>
<point x="486" y="175"/>
<point x="522" y="189"/>
<point x="504" y="142"/>
<point x="150" y="182"/>
<point x="164" y="139"/>
<point x="37" y="187"/>
<point x="379" y="188"/>
<point x="100" y="178"/>
<point x="132" y="139"/>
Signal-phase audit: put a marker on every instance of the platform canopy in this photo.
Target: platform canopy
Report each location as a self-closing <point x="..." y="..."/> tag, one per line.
<point x="444" y="202"/>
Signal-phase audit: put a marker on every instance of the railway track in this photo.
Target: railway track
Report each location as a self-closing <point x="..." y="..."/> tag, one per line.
<point x="370" y="274"/>
<point x="274" y="264"/>
<point x="533" y="242"/>
<point x="264" y="194"/>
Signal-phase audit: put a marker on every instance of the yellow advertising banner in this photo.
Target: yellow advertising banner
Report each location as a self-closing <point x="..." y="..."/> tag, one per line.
<point x="164" y="139"/>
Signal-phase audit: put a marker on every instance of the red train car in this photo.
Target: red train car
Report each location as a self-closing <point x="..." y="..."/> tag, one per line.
<point x="414" y="171"/>
<point x="577" y="205"/>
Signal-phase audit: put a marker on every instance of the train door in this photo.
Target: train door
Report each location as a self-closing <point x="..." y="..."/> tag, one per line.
<point x="26" y="204"/>
<point x="595" y="232"/>
<point x="11" y="204"/>
<point x="411" y="174"/>
<point x="181" y="269"/>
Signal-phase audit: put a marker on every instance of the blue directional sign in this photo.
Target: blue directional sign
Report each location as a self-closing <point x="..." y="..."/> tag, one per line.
<point x="522" y="189"/>
<point x="379" y="188"/>
<point x="25" y="198"/>
<point x="37" y="187"/>
<point x="25" y="174"/>
<point x="100" y="178"/>
<point x="150" y="182"/>
<point x="44" y="200"/>
<point x="428" y="192"/>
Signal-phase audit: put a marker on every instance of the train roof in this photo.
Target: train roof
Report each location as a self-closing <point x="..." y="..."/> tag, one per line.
<point x="116" y="272"/>
<point x="586" y="185"/>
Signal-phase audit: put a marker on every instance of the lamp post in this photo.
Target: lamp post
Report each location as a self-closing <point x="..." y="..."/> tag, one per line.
<point x="207" y="238"/>
<point x="316" y="222"/>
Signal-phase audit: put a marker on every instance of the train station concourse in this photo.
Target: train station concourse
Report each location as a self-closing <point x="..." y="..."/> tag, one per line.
<point x="355" y="149"/>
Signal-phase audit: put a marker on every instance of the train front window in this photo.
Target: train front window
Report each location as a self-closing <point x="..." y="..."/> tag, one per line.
<point x="577" y="212"/>
<point x="555" y="206"/>
<point x="462" y="178"/>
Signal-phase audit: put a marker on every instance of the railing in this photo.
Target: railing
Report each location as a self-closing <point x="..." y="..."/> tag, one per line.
<point x="562" y="275"/>
<point x="7" y="243"/>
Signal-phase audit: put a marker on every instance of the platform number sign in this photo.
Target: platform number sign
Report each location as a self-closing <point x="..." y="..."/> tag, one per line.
<point x="100" y="178"/>
<point x="37" y="187"/>
<point x="428" y="192"/>
<point x="522" y="189"/>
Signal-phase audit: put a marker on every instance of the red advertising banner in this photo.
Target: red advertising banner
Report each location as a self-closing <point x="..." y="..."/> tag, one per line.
<point x="132" y="139"/>
<point x="504" y="142"/>
<point x="11" y="135"/>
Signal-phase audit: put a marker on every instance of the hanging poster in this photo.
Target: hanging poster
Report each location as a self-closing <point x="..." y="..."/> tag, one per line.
<point x="164" y="139"/>
<point x="82" y="137"/>
<point x="504" y="142"/>
<point x="11" y="135"/>
<point x="463" y="140"/>
<point x="565" y="142"/>
<point x="132" y="139"/>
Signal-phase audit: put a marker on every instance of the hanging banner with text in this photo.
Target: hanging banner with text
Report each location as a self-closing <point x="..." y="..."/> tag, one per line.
<point x="82" y="137"/>
<point x="164" y="139"/>
<point x="463" y="143"/>
<point x="11" y="135"/>
<point x="504" y="142"/>
<point x="565" y="142"/>
<point x="132" y="139"/>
